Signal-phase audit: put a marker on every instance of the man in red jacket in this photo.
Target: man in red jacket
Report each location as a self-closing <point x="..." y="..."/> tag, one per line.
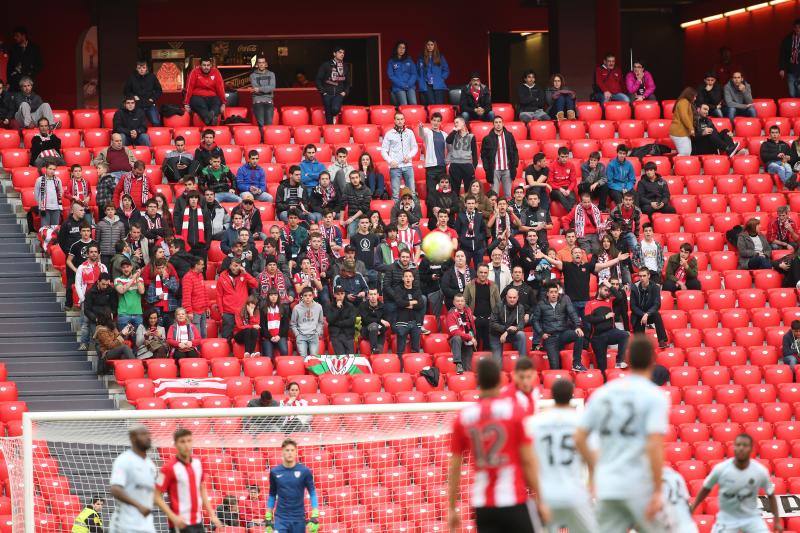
<point x="195" y="297"/>
<point x="608" y="82"/>
<point x="233" y="287"/>
<point x="134" y="183"/>
<point x="205" y="92"/>
<point x="461" y="327"/>
<point x="563" y="180"/>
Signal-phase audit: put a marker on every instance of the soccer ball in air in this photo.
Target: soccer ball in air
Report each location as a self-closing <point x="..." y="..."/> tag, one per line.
<point x="437" y="246"/>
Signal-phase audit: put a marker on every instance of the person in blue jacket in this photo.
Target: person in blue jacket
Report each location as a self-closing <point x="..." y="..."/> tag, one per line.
<point x="432" y="74"/>
<point x="310" y="167"/>
<point x="620" y="175"/>
<point x="251" y="178"/>
<point x="403" y="74"/>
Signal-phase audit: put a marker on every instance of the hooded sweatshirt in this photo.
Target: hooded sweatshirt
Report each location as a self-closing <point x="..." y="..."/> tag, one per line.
<point x="307" y="320"/>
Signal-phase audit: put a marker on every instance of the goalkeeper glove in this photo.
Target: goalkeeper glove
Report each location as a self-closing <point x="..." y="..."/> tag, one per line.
<point x="312" y="525"/>
<point x="268" y="522"/>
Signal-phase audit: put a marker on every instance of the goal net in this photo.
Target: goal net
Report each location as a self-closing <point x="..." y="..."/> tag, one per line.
<point x="376" y="467"/>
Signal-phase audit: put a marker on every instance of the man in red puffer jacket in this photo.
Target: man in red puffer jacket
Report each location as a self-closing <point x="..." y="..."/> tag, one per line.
<point x="195" y="297"/>
<point x="205" y="92"/>
<point x="233" y="287"/>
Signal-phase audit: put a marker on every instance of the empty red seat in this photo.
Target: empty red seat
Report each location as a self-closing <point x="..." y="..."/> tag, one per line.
<point x="710" y="241"/>
<point x="698" y="395"/>
<point x="708" y="451"/>
<point x="688" y="300"/>
<point x="123" y="371"/>
<point x="726" y="431"/>
<point x="617" y="110"/>
<point x="747" y="127"/>
<point x="628" y="129"/>
<point x="576" y="129"/>
<point x="776" y="412"/>
<point x="751" y="298"/>
<point x="225" y="367"/>
<point x="713" y="413"/>
<point x="742" y="203"/>
<point x="777" y="374"/>
<point x="289" y="365"/>
<point x="720" y="299"/>
<point x="782" y="298"/>
<point x="658" y="128"/>
<point x="746" y="375"/>
<point x="332" y="384"/>
<point x="701" y="185"/>
<point x="787" y="467"/>
<point x="677" y="451"/>
<point x="542" y="130"/>
<point x="692" y="469"/>
<point x="738" y="279"/>
<point x="193" y="368"/>
<point x="735" y="318"/>
<point x="257" y="366"/>
<point x="683" y="376"/>
<point x="788" y="431"/>
<point x="715" y="375"/>
<point x="729" y="394"/>
<point x="589" y="110"/>
<point x="686" y="165"/>
<point x="717" y="337"/>
<point x="732" y="355"/>
<point x="691" y="433"/>
<point x="666" y="223"/>
<point x="399" y="382"/>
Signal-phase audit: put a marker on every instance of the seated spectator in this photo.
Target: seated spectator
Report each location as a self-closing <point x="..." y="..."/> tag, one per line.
<point x="556" y="323"/>
<point x="434" y="142"/>
<point x="645" y="304"/>
<point x="291" y="195"/>
<point x="563" y="180"/>
<point x="402" y="72"/>
<point x="710" y="94"/>
<point x="294" y="423"/>
<point x="410" y="206"/>
<point x="231" y="234"/>
<point x="408" y="302"/>
<point x="117" y="156"/>
<point x="339" y="170"/>
<point x="609" y="251"/>
<point x="640" y="84"/>
<point x="264" y="400"/>
<point x="146" y="90"/>
<point x="263" y="83"/>
<point x="476" y="101"/>
<point x="531" y="99"/>
<point x="294" y="239"/>
<point x="163" y="291"/>
<point x="353" y="283"/>
<point x="754" y="248"/>
<point x="653" y="192"/>
<point x="273" y="279"/>
<point x="334" y="81"/>
<point x="275" y="324"/>
<point x="140" y="247"/>
<point x="155" y="228"/>
<point x="307" y="323"/>
<point x="251" y="178"/>
<point x="131" y="123"/>
<point x="588" y="223"/>
<point x="306" y="276"/>
<point x="7" y="109"/>
<point x="341" y="317"/>
<point x="326" y="195"/>
<point x="460" y="325"/>
<point x="603" y="332"/>
<point x="29" y="107"/>
<point x="649" y="253"/>
<point x="183" y="337"/>
<point x="370" y="175"/>
<point x="245" y="251"/>
<point x="608" y="82"/>
<point x="620" y="305"/>
<point x="482" y="296"/>
<point x="356" y="203"/>
<point x="331" y="234"/>
<point x="46" y="146"/>
<point x="681" y="129"/>
<point x="681" y="271"/>
<point x="374" y="323"/>
<point x="111" y="342"/>
<point x="247" y="331"/>
<point x="508" y="323"/>
<point x="208" y="148"/>
<point x="500" y="157"/>
<point x="790" y="351"/>
<point x="571" y="242"/>
<point x="219" y="179"/>
<point x="620" y="175"/>
<point x="782" y="232"/>
<point x="528" y="258"/>
<point x="560" y="99"/>
<point x="455" y="278"/>
<point x="707" y="139"/>
<point x="49" y="193"/>
<point x="627" y="217"/>
<point x="738" y="98"/>
<point x="775" y="154"/>
<point x="205" y="92"/>
<point x="398" y="149"/>
<point x="525" y="290"/>
<point x="151" y="337"/>
<point x="181" y="260"/>
<point x="310" y="168"/>
<point x="251" y="216"/>
<point x="594" y="180"/>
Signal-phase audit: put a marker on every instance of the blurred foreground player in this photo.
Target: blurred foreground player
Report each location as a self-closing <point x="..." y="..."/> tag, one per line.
<point x="522" y="387"/>
<point x="288" y="482"/>
<point x="676" y="512"/>
<point x="630" y="417"/>
<point x="491" y="431"/>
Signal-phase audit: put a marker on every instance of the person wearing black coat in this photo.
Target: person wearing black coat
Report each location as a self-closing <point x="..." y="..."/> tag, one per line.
<point x="374" y="321"/>
<point x="334" y="196"/>
<point x="645" y="302"/>
<point x="6" y="105"/>
<point x="24" y="59"/>
<point x="789" y="59"/>
<point x="45" y="140"/>
<point x="476" y="101"/>
<point x="709" y="141"/>
<point x="430" y="280"/>
<point x="710" y="93"/>
<point x="532" y="100"/>
<point x="146" y="88"/>
<point x="472" y="232"/>
<point x="179" y="258"/>
<point x="489" y="150"/>
<point x="410" y="311"/>
<point x="341" y="317"/>
<point x="102" y="298"/>
<point x="443" y="197"/>
<point x="130" y="122"/>
<point x="333" y="82"/>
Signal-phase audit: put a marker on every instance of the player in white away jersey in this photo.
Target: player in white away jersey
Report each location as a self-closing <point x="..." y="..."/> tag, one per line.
<point x="739" y="480"/>
<point x="629" y="415"/>
<point x="133" y="482"/>
<point x="561" y="473"/>
<point x="676" y="511"/>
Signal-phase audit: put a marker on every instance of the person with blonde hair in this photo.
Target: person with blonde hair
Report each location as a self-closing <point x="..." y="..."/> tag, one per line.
<point x="682" y="130"/>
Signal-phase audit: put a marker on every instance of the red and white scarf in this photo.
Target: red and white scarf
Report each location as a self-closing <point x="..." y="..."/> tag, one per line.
<point x="154" y="224"/>
<point x="319" y="260"/>
<point x="161" y="294"/>
<point x="127" y="186"/>
<point x="580" y="221"/>
<point x="394" y="246"/>
<point x="182" y="332"/>
<point x="80" y="190"/>
<point x="274" y="321"/>
<point x="276" y="281"/>
<point x="201" y="233"/>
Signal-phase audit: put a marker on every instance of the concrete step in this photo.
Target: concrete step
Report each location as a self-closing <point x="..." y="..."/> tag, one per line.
<point x="70" y="404"/>
<point x="42" y="328"/>
<point x="46" y="345"/>
<point x="50" y="366"/>
<point x="29" y="386"/>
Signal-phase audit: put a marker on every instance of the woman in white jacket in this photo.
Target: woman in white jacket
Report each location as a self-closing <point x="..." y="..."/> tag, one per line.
<point x="434" y="143"/>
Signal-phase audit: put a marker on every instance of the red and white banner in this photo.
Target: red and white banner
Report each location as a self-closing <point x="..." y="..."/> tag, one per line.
<point x="196" y="387"/>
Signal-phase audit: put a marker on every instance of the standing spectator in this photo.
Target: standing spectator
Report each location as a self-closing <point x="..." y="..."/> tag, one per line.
<point x="29" y="106"/>
<point x="340" y="169"/>
<point x="86" y="276"/>
<point x="6" y="105"/>
<point x="291" y="196"/>
<point x="251" y="178"/>
<point x="233" y="287"/>
<point x="156" y="228"/>
<point x="508" y="326"/>
<point x="181" y="260"/>
<point x="45" y="146"/>
<point x="191" y="226"/>
<point x="482" y="202"/>
<point x="100" y="298"/>
<point x="183" y="337"/>
<point x="594" y="180"/>
<point x="462" y="155"/>
<point x="461" y="332"/>
<point x="353" y="283"/>
<point x="177" y="162"/>
<point x="628" y="217"/>
<point x="482" y="296"/>
<point x="472" y="233"/>
<point x="532" y="100"/>
<point x="557" y="324"/>
<point x="710" y="94"/>
<point x="275" y="324"/>
<point x="528" y="260"/>
<point x="310" y="167"/>
<point x="205" y="92"/>
<point x="263" y="83"/>
<point x="128" y="214"/>
<point x="608" y="251"/>
<point x="738" y="98"/>
<point x="356" y="203"/>
<point x="194" y="296"/>
<point x="130" y="288"/>
<point x="163" y="291"/>
<point x="608" y="82"/>
<point x="600" y="317"/>
<point x="563" y="180"/>
<point x="707" y="139"/>
<point x="455" y="279"/>
<point x="104" y="192"/>
<point x="754" y="248"/>
<point x="117" y="156"/>
<point x="435" y="145"/>
<point x="307" y="323"/>
<point x="247" y="331"/>
<point x="135" y="184"/>
<point x="219" y="178"/>
<point x="77" y="253"/>
<point x="306" y="276"/>
<point x="78" y="191"/>
<point x="681" y="130"/>
<point x="274" y="279"/>
<point x="49" y="195"/>
<point x="476" y="100"/>
<point x="653" y="192"/>
<point x="219" y="216"/>
<point x="341" y="317"/>
<point x="570" y="244"/>
<point x="499" y="272"/>
<point x="640" y="84"/>
<point x="789" y="60"/>
<point x="398" y="150"/>
<point x="775" y="155"/>
<point x="108" y="231"/>
<point x="681" y="273"/>
<point x="577" y="274"/>
<point x="402" y="72"/>
<point x="202" y="154"/>
<point x="790" y="351"/>
<point x="294" y="238"/>
<point x="560" y="99"/>
<point x="408" y="301"/>
<point x="140" y="248"/>
<point x="588" y="224"/>
<point x="373" y="179"/>
<point x="146" y="90"/>
<point x="500" y="157"/>
<point x="433" y="72"/>
<point x="333" y="82"/>
<point x="645" y="303"/>
<point x="782" y="232"/>
<point x="649" y="253"/>
<point x="620" y="174"/>
<point x="24" y="58"/>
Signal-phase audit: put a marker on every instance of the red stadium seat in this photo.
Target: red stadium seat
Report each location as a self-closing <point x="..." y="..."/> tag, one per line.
<point x="717" y="337"/>
<point x="382" y="115"/>
<point x="688" y="300"/>
<point x="691" y="433"/>
<point x="789" y="107"/>
<point x="715" y="375"/>
<point x="193" y="368"/>
<point x="576" y="129"/>
<point x="686" y="165"/>
<point x="682" y="414"/>
<point x="698" y="185"/>
<point x="123" y="371"/>
<point x="628" y="129"/>
<point x="294" y="116"/>
<point x="720" y="299"/>
<point x="289" y="365"/>
<point x="541" y="130"/>
<point x="728" y="394"/>
<point x="396" y="383"/>
<point x="589" y="110"/>
<point x="658" y="128"/>
<point x="277" y="134"/>
<point x="745" y="164"/>
<point x="354" y="115"/>
<point x="617" y="111"/>
<point x="735" y="318"/>
<point x="746" y="127"/>
<point x="684" y="203"/>
<point x="646" y="109"/>
<point x="136" y="389"/>
<point x="225" y="367"/>
<point x="698" y="395"/>
<point x="161" y="368"/>
<point x="703" y="318"/>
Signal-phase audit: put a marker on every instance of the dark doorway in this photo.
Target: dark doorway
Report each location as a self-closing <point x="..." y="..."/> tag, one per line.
<point x="511" y="54"/>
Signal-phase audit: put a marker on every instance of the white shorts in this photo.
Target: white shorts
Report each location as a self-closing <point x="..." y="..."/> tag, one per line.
<point x="577" y="519"/>
<point x="619" y="516"/>
<point x="756" y="525"/>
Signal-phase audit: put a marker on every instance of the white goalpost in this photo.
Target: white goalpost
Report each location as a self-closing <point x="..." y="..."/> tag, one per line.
<point x="376" y="467"/>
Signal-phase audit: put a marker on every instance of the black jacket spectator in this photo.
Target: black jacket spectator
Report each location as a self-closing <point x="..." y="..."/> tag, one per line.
<point x="431" y="274"/>
<point x="99" y="301"/>
<point x="356" y="199"/>
<point x="526" y="296"/>
<point x="478" y="239"/>
<point x="450" y="286"/>
<point x="38" y="145"/>
<point x="713" y="142"/>
<point x="202" y="157"/>
<point x="784" y="56"/>
<point x="647" y="300"/>
<point x="789" y="266"/>
<point x="23" y="61"/>
<point x="393" y="276"/>
<point x="711" y="98"/>
<point x="256" y="225"/>
<point x="530" y="98"/>
<point x="7" y="108"/>
<point x="371" y="315"/>
<point x="631" y="225"/>
<point x="334" y="204"/>
<point x="489" y="151"/>
<point x="146" y="87"/>
<point x="468" y="104"/>
<point x="341" y="320"/>
<point x="449" y="201"/>
<point x="506" y="316"/>
<point x="183" y="262"/>
<point x="652" y="191"/>
<point x="324" y="77"/>
<point x="288" y="196"/>
<point x="127" y="121"/>
<point x="401" y="297"/>
<point x="770" y="150"/>
<point x="33" y="100"/>
<point x="549" y="319"/>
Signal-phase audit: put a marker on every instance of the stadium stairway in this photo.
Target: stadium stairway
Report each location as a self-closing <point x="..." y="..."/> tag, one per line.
<point x="38" y="341"/>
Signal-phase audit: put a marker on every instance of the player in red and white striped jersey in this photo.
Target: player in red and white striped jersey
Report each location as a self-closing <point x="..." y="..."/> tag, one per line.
<point x="182" y="478"/>
<point x="522" y="388"/>
<point x="491" y="431"/>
